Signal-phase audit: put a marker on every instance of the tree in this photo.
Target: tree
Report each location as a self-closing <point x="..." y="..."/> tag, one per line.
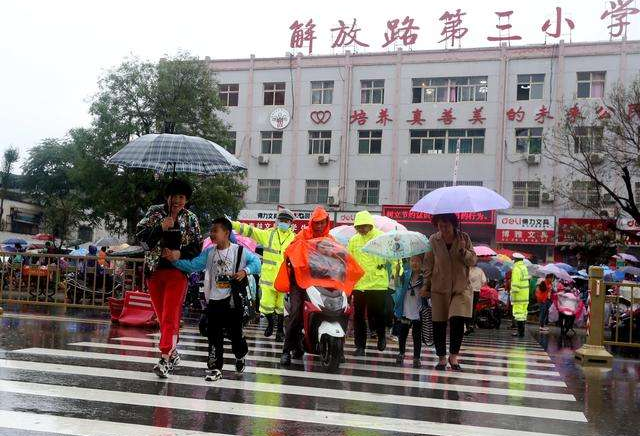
<point x="598" y="146"/>
<point x="178" y="95"/>
<point x="10" y="157"/>
<point x="48" y="181"/>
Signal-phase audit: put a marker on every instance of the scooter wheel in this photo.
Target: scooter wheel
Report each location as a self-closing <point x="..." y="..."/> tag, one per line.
<point x="331" y="349"/>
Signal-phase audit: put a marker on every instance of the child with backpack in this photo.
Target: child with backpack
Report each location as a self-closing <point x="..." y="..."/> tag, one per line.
<point x="227" y="266"/>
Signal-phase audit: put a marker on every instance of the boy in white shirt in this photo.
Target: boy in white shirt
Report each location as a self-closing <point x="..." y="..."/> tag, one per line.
<point x="226" y="267"/>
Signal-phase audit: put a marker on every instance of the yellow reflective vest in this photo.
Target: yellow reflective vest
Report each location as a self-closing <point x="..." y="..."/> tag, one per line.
<point x="375" y="275"/>
<point x="274" y="242"/>
<point x="519" y="283"/>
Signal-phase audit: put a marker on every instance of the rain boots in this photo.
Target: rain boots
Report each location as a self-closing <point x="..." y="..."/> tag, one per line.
<point x="270" y="325"/>
<point x="280" y="328"/>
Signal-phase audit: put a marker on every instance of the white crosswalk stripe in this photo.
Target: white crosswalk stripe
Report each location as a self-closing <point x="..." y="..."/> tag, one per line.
<point x="507" y="389"/>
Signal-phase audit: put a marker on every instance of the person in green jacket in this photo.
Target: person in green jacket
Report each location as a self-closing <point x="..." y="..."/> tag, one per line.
<point x="369" y="294"/>
<point x="274" y="241"/>
<point x="519" y="293"/>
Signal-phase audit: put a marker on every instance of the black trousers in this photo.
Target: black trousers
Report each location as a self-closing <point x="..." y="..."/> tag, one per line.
<point x="368" y="304"/>
<point x="222" y="316"/>
<point x="403" y="327"/>
<point x="456" y="331"/>
<point x="293" y="323"/>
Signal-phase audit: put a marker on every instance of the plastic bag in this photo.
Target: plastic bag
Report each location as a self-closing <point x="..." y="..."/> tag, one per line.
<point x="554" y="315"/>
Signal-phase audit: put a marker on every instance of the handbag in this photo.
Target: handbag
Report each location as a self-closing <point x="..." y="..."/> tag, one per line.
<point x="426" y="323"/>
<point x="554" y="315"/>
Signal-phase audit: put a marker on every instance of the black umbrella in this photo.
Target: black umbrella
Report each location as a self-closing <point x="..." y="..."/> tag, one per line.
<point x="167" y="152"/>
<point x="491" y="271"/>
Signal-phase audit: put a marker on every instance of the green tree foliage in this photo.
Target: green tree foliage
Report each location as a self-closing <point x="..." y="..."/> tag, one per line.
<point x="177" y="94"/>
<point x="48" y="181"/>
<point x="10" y="158"/>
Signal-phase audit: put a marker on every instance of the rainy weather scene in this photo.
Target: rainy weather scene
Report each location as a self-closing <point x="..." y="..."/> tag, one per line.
<point x="320" y="218"/>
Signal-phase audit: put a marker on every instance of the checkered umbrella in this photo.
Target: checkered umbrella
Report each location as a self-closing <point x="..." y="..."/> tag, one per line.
<point x="177" y="153"/>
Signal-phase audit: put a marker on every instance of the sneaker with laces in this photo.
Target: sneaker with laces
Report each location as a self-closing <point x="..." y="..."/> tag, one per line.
<point x="213" y="375"/>
<point x="211" y="360"/>
<point x="399" y="359"/>
<point x="161" y="369"/>
<point x="174" y="360"/>
<point x="240" y="365"/>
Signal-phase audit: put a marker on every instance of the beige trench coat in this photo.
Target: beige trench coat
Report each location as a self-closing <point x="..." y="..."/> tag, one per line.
<point x="446" y="276"/>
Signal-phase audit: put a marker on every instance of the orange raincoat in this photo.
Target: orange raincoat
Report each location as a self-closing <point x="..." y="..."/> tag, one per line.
<point x="319" y="214"/>
<point x="319" y="262"/>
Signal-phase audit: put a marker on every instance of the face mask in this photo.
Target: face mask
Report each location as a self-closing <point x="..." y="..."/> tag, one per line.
<point x="284" y="226"/>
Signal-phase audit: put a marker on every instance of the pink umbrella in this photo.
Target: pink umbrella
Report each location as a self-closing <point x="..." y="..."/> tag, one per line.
<point x="627" y="257"/>
<point x="386" y="224"/>
<point x="483" y="250"/>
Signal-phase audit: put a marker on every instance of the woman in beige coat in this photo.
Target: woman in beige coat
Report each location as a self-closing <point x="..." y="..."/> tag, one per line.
<point x="446" y="282"/>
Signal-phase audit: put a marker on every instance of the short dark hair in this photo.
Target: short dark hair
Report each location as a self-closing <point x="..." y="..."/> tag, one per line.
<point x="178" y="187"/>
<point x="224" y="222"/>
<point x="448" y="217"/>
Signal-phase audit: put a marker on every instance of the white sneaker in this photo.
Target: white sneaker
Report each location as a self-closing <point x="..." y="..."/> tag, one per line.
<point x="213" y="375"/>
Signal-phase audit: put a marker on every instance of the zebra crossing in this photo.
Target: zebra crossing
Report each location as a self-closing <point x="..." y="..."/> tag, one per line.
<point x="105" y="387"/>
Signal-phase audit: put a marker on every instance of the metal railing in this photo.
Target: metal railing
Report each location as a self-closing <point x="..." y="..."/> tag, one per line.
<point x="78" y="281"/>
<point x="613" y="318"/>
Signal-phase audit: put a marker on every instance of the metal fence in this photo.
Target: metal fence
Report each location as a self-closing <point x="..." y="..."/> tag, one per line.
<point x="78" y="281"/>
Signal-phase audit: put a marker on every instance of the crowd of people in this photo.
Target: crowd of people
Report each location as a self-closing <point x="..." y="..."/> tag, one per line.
<point x="390" y="296"/>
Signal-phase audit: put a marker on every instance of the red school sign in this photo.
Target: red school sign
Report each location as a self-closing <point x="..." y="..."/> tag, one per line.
<point x="403" y="214"/>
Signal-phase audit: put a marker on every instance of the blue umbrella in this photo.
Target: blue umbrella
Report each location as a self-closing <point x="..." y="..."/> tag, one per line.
<point x="14" y="241"/>
<point x="79" y="252"/>
<point x="568" y="268"/>
<point x="9" y="248"/>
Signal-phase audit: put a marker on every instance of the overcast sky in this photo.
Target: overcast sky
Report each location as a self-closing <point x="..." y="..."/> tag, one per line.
<point x="54" y="51"/>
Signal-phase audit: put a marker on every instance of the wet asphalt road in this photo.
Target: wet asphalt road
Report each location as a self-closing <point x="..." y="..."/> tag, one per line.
<point x="76" y="374"/>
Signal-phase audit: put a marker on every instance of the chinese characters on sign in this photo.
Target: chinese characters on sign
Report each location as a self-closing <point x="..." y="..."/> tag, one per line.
<point x="403" y="214"/>
<point x="404" y="31"/>
<point x="525" y="229"/>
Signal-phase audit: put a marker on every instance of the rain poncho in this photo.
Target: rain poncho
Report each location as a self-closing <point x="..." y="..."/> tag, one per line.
<point x="319" y="214"/>
<point x="520" y="291"/>
<point x="319" y="262"/>
<point x="376" y="276"/>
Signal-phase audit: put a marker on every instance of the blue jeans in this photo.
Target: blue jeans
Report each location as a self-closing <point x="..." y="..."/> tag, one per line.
<point x="544" y="313"/>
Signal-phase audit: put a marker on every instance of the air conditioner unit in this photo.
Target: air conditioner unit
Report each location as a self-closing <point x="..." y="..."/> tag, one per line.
<point x="533" y="159"/>
<point x="547" y="197"/>
<point x="263" y="160"/>
<point x="596" y="158"/>
<point x="608" y="199"/>
<point x="324" y="159"/>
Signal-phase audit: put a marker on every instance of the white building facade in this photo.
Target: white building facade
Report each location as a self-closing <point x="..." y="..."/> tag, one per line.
<point x="378" y="131"/>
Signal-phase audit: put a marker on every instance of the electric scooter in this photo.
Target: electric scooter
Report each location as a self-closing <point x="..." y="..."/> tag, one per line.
<point x="325" y="317"/>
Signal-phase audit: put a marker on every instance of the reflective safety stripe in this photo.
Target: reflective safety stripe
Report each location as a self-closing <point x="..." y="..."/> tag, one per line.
<point x="269" y="262"/>
<point x="270" y="250"/>
<point x="270" y="244"/>
<point x="265" y="282"/>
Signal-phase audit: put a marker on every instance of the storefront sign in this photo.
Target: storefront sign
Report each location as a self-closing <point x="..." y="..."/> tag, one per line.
<point x="264" y="219"/>
<point x="566" y="234"/>
<point x="628" y="224"/>
<point x="403" y="214"/>
<point x="525" y="229"/>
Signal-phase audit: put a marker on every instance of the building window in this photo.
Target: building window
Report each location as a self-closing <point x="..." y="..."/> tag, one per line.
<point x="449" y="89"/>
<point x="526" y="194"/>
<point x="229" y="143"/>
<point x="529" y="141"/>
<point x="271" y="142"/>
<point x="367" y="191"/>
<point x="369" y="141"/>
<point x="428" y="141"/>
<point x="416" y="189"/>
<point x="530" y="86"/>
<point x="585" y="193"/>
<point x="228" y="93"/>
<point x="268" y="191"/>
<point x="316" y="192"/>
<point x="587" y="139"/>
<point x="433" y="141"/>
<point x="372" y="91"/>
<point x="591" y="84"/>
<point x="322" y="92"/>
<point x="319" y="141"/>
<point x="471" y="140"/>
<point x="274" y="93"/>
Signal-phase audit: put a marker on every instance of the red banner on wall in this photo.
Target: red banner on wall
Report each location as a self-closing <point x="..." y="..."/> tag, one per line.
<point x="403" y="214"/>
<point x="588" y="225"/>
